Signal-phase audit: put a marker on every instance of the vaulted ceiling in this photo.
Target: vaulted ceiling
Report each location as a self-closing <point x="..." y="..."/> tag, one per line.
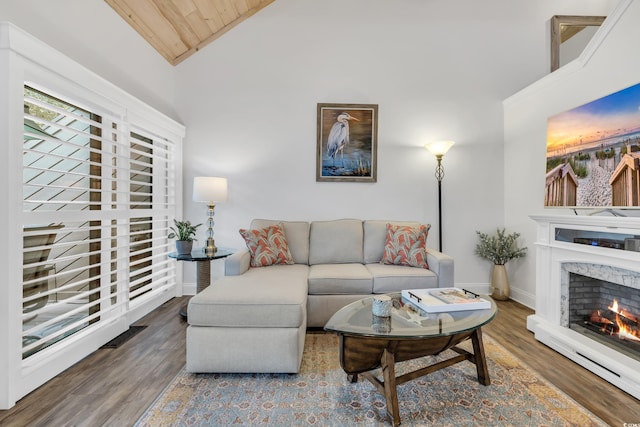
<point x="179" y="28"/>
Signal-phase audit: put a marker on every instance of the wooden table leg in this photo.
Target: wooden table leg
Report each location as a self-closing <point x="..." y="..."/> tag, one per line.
<point x="480" y="359"/>
<point x="388" y="365"/>
<point x="357" y="348"/>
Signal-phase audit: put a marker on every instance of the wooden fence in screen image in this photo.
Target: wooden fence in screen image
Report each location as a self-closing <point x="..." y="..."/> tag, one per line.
<point x="561" y="187"/>
<point x="625" y="181"/>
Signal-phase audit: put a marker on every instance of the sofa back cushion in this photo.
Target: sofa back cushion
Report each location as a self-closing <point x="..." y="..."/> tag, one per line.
<point x="375" y="234"/>
<point x="296" y="233"/>
<point x="336" y="242"/>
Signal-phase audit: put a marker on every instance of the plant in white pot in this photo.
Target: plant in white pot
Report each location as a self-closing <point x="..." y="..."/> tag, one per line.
<point x="499" y="249"/>
<point x="184" y="233"/>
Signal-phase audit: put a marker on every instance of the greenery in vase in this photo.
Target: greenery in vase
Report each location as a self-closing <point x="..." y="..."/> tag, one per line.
<point x="184" y="230"/>
<point x="499" y="248"/>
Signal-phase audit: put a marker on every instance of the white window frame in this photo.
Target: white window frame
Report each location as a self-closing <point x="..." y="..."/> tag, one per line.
<point x="24" y="59"/>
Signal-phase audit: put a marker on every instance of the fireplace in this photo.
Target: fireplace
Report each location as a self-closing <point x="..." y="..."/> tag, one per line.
<point x="588" y="294"/>
<point x="606" y="312"/>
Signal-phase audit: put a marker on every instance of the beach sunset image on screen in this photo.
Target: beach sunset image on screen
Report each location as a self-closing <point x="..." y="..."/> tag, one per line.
<point x="593" y="153"/>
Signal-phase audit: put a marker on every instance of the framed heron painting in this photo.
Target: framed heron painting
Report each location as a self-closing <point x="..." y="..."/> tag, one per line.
<point x="347" y="145"/>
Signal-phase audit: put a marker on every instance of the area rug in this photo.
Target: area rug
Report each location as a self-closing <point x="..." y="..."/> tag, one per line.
<point x="321" y="395"/>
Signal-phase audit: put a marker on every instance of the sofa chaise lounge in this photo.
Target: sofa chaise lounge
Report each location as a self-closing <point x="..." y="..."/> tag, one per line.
<point x="254" y="319"/>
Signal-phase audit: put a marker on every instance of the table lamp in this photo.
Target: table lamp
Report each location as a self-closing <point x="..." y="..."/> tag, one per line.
<point x="210" y="190"/>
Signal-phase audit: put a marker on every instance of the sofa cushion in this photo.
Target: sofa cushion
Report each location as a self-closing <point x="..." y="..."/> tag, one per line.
<point x="268" y="246"/>
<point x="268" y="297"/>
<point x="406" y="246"/>
<point x="336" y="242"/>
<point x="395" y="278"/>
<point x="297" y="233"/>
<point x="375" y="236"/>
<point x="334" y="279"/>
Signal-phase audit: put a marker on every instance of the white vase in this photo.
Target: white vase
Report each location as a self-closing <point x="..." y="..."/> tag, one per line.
<point x="499" y="283"/>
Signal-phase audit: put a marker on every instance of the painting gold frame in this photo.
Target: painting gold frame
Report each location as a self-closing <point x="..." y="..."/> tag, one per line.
<point x="347" y="143"/>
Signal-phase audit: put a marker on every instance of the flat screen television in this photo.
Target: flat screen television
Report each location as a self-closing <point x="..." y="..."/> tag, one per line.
<point x="593" y="153"/>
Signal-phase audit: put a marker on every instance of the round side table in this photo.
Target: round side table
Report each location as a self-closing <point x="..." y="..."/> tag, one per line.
<point x="203" y="272"/>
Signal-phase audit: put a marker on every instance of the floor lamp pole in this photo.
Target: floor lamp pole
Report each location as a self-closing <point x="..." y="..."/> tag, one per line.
<point x="439" y="149"/>
<point x="439" y="176"/>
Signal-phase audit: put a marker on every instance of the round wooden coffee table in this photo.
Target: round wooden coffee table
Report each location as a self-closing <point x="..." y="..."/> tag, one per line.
<point x="368" y="342"/>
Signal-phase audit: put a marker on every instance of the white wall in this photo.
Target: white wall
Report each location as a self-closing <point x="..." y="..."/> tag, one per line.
<point x="612" y="66"/>
<point x="94" y="35"/>
<point x="438" y="69"/>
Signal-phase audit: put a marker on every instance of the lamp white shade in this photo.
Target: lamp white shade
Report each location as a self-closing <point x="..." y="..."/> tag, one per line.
<point x="209" y="189"/>
<point x="439" y="148"/>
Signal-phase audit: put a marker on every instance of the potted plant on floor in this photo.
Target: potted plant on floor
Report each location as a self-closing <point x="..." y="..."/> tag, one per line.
<point x="499" y="249"/>
<point x="184" y="233"/>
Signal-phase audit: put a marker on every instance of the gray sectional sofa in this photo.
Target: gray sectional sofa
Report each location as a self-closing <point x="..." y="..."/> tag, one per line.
<point x="254" y="320"/>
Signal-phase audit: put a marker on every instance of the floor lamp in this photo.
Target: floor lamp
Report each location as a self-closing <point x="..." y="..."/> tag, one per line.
<point x="439" y="149"/>
<point x="210" y="190"/>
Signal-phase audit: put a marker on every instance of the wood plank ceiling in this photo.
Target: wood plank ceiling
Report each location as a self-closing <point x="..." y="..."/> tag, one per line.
<point x="179" y="28"/>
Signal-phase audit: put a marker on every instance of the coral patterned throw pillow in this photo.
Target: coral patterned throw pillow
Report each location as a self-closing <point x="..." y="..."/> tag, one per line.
<point x="406" y="245"/>
<point x="267" y="246"/>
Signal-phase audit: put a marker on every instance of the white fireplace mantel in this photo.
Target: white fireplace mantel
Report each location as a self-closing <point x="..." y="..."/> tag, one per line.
<point x="555" y="257"/>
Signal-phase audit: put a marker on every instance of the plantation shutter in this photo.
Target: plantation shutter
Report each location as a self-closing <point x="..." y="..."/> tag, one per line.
<point x="151" y="179"/>
<point x="97" y="195"/>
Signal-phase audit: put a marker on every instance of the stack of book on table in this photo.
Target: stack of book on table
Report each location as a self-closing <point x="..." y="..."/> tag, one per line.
<point x="438" y="300"/>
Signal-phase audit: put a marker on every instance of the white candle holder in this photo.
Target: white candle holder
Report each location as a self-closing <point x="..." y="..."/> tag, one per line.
<point x="381" y="306"/>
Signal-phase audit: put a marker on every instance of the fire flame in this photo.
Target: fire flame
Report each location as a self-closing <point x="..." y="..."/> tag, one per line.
<point x="624" y="331"/>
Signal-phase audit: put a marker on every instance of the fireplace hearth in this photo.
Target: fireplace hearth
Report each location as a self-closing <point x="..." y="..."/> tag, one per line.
<point x="588" y="296"/>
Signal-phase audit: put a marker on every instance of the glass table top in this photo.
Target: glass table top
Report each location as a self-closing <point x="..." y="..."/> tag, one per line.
<point x="406" y="320"/>
<point x="198" y="254"/>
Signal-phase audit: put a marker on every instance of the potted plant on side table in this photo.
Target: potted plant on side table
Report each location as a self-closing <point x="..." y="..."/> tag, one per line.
<point x="184" y="233"/>
<point x="499" y="249"/>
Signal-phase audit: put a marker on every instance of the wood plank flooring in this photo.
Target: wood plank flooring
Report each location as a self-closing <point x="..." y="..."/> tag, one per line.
<point x="612" y="405"/>
<point x="113" y="387"/>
